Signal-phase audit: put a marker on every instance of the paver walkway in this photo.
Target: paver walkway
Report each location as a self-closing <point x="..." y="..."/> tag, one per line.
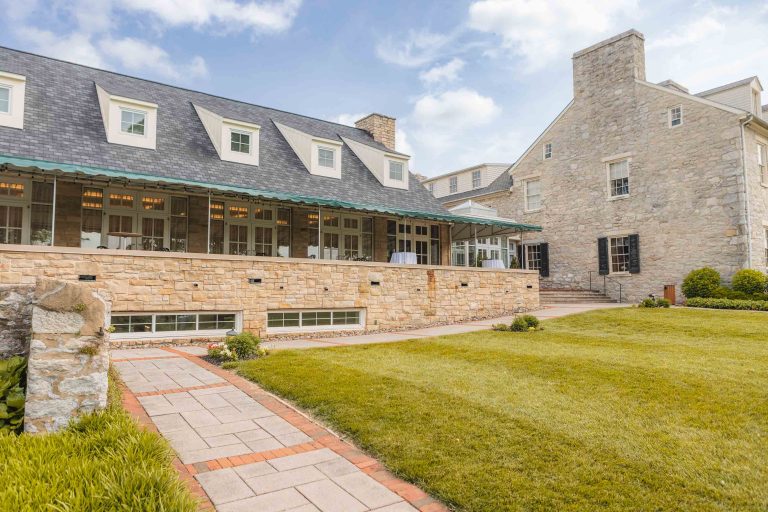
<point x="246" y="449"/>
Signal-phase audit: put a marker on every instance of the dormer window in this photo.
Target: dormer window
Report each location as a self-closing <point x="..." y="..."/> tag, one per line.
<point x="12" y="90"/>
<point x="240" y="141"/>
<point x="5" y="100"/>
<point x="395" y="170"/>
<point x="675" y="116"/>
<point x="326" y="157"/>
<point x="547" y="151"/>
<point x="132" y="121"/>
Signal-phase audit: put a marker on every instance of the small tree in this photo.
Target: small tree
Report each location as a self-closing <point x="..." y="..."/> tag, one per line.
<point x="701" y="283"/>
<point x="749" y="281"/>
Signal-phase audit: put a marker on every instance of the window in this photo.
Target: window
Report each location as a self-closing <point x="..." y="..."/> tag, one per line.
<point x="762" y="163"/>
<point x="532" y="195"/>
<point x="41" y="227"/>
<point x="675" y="116"/>
<point x="132" y="121"/>
<point x="325" y="157"/>
<point x="5" y="100"/>
<point x="314" y="320"/>
<point x="453" y="184"/>
<point x="216" y="238"/>
<point x="618" y="175"/>
<point x="619" y="247"/>
<point x="431" y="188"/>
<point x="179" y="222"/>
<point x="90" y="228"/>
<point x="547" y="151"/>
<point x="396" y="170"/>
<point x="283" y="225"/>
<point x="240" y="142"/>
<point x="143" y="325"/>
<point x="533" y="257"/>
<point x="477" y="179"/>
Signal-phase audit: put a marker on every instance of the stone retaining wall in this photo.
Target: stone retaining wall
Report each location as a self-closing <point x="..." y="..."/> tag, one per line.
<point x="15" y="319"/>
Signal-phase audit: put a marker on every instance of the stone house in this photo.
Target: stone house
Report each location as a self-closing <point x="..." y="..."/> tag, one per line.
<point x="639" y="183"/>
<point x="203" y="215"/>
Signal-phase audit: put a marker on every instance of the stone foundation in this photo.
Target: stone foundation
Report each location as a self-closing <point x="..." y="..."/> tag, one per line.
<point x="15" y="319"/>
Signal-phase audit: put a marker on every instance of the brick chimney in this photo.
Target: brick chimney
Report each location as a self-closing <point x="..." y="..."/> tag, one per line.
<point x="605" y="66"/>
<point x="381" y="128"/>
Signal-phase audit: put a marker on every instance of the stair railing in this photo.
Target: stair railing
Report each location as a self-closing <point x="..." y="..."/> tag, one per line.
<point x="606" y="281"/>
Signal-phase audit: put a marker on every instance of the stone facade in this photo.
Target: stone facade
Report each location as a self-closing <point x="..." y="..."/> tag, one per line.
<point x="392" y="296"/>
<point x="687" y="200"/>
<point x="15" y="319"/>
<point x="381" y="128"/>
<point x="68" y="354"/>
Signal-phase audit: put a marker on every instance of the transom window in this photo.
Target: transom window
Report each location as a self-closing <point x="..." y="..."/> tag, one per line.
<point x="325" y="157"/>
<point x="132" y="121"/>
<point x="395" y="170"/>
<point x="314" y="320"/>
<point x="533" y="257"/>
<point x="762" y="163"/>
<point x="676" y="116"/>
<point x="453" y="184"/>
<point x="618" y="175"/>
<point x="132" y="325"/>
<point x="619" y="246"/>
<point x="533" y="195"/>
<point x="5" y="100"/>
<point x="547" y="151"/>
<point x="477" y="179"/>
<point x="240" y="142"/>
<point x="11" y="189"/>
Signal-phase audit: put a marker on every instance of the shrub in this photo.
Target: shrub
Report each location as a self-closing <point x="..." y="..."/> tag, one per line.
<point x="723" y="292"/>
<point x="525" y="323"/>
<point x="651" y="302"/>
<point x="701" y="283"/>
<point x="245" y="345"/>
<point x="749" y="281"/>
<point x="751" y="305"/>
<point x="12" y="384"/>
<point x="500" y="327"/>
<point x="221" y="352"/>
<point x="518" y="325"/>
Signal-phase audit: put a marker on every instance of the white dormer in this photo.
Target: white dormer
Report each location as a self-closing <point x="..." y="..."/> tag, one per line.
<point x="12" y="91"/>
<point x="744" y="94"/>
<point x="391" y="169"/>
<point x="235" y="141"/>
<point x="128" y="121"/>
<point x="321" y="157"/>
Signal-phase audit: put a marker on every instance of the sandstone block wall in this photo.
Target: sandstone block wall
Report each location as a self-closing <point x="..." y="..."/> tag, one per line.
<point x="15" y="319"/>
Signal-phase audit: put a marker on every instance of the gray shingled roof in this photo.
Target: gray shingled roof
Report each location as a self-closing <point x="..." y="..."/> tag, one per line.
<point x="63" y="123"/>
<point x="500" y="184"/>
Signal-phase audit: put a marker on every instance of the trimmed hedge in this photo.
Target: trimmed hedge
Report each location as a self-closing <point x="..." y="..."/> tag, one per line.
<point x="701" y="282"/>
<point x="749" y="281"/>
<point x="751" y="305"/>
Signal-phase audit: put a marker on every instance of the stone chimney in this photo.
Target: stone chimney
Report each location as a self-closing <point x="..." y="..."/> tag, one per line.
<point x="603" y="67"/>
<point x="381" y="128"/>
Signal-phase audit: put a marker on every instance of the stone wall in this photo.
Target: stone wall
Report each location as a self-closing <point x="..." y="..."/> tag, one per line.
<point x="15" y="319"/>
<point x="404" y="296"/>
<point x="758" y="198"/>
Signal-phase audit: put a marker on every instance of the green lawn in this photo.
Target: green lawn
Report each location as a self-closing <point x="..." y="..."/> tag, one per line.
<point x="624" y="409"/>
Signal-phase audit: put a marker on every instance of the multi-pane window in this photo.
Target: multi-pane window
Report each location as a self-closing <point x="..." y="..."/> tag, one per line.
<point x="312" y="319"/>
<point x="547" y="151"/>
<point x="172" y="324"/>
<point x="41" y="222"/>
<point x="238" y="239"/>
<point x="762" y="162"/>
<point x="179" y="224"/>
<point x="366" y="248"/>
<point x="262" y="241"/>
<point x="132" y="121"/>
<point x="533" y="195"/>
<point x="11" y="224"/>
<point x="533" y="257"/>
<point x="434" y="244"/>
<point x="11" y="189"/>
<point x="396" y="170"/>
<point x="121" y="200"/>
<point x="618" y="175"/>
<point x="216" y="227"/>
<point x="676" y="116"/>
<point x="283" y="226"/>
<point x="90" y="227"/>
<point x="240" y="142"/>
<point x="453" y="184"/>
<point x="5" y="100"/>
<point x="477" y="179"/>
<point x="152" y="233"/>
<point x="325" y="157"/>
<point x="619" y="246"/>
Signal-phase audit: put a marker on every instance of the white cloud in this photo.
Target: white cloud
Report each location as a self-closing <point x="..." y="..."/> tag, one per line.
<point x="693" y="32"/>
<point x="448" y="72"/>
<point x="134" y="54"/>
<point x="270" y="16"/>
<point x="347" y="119"/>
<point x="414" y="50"/>
<point x="75" y="47"/>
<point x="541" y="31"/>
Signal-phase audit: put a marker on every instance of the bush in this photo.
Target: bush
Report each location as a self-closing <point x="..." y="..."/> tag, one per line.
<point x="12" y="383"/>
<point x="500" y="327"/>
<point x="749" y="281"/>
<point x="723" y="292"/>
<point x="525" y="323"/>
<point x="244" y="345"/>
<point x="751" y="305"/>
<point x="701" y="283"/>
<point x="221" y="352"/>
<point x="654" y="303"/>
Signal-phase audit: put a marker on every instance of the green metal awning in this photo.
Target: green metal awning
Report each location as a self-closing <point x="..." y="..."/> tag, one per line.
<point x="44" y="165"/>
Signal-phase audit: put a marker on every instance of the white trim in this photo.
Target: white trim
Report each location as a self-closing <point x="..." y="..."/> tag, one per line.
<point x="314" y="328"/>
<point x="609" y="191"/>
<point x="618" y="156"/>
<point x="238" y="131"/>
<point x="175" y="334"/>
<point x="16" y="86"/>
<point x="691" y="97"/>
<point x="144" y="113"/>
<point x="669" y="116"/>
<point x="610" y="254"/>
<point x="525" y="195"/>
<point x="8" y="88"/>
<point x="111" y="113"/>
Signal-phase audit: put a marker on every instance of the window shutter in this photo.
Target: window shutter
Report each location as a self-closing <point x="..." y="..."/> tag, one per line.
<point x="602" y="256"/>
<point x="634" y="254"/>
<point x="544" y="250"/>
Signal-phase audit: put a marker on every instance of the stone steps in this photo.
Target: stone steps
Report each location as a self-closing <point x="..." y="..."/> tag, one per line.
<point x="572" y="296"/>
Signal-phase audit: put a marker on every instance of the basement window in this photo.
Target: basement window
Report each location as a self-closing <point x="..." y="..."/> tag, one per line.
<point x="173" y="325"/>
<point x="319" y="320"/>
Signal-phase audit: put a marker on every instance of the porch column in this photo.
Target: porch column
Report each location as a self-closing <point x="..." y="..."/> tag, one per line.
<point x="319" y="233"/>
<point x="208" y="238"/>
<point x="53" y="215"/>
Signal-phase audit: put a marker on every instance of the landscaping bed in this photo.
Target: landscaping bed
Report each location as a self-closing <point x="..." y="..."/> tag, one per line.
<point x="620" y="409"/>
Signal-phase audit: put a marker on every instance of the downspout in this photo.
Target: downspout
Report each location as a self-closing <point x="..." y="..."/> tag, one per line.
<point x="746" y="189"/>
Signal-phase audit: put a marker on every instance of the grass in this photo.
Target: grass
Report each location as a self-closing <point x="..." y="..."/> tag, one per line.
<point x="103" y="462"/>
<point x="623" y="409"/>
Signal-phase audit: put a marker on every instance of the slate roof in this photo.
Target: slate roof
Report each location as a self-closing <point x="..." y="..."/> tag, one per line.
<point x="63" y="123"/>
<point x="501" y="183"/>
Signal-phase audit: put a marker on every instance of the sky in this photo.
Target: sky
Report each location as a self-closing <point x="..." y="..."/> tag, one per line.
<point x="468" y="81"/>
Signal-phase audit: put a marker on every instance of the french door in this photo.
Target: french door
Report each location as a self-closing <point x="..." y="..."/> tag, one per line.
<point x="11" y="224"/>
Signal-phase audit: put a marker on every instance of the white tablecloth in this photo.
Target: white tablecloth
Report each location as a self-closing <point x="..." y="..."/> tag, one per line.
<point x="493" y="264"/>
<point x="403" y="258"/>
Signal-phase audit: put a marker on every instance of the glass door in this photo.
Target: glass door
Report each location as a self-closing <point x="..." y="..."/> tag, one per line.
<point x="121" y="231"/>
<point x="237" y="239"/>
<point x="11" y="224"/>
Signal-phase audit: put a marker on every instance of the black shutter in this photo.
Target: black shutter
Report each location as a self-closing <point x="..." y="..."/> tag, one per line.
<point x="634" y="254"/>
<point x="544" y="251"/>
<point x="520" y="262"/>
<point x="602" y="256"/>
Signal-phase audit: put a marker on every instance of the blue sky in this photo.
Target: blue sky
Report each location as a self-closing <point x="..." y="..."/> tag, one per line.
<point x="468" y="81"/>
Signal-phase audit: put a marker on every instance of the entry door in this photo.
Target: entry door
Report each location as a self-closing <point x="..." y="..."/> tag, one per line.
<point x="11" y="224"/>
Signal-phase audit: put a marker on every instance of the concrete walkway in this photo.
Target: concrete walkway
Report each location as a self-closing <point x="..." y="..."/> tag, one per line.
<point x="546" y="313"/>
<point x="242" y="449"/>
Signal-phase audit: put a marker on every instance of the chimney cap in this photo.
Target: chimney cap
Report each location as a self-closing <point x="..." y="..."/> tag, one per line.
<point x="375" y="114"/>
<point x="610" y="40"/>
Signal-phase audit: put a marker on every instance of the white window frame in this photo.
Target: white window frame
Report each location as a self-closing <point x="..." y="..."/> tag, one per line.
<point x="327" y="149"/>
<point x="24" y="202"/>
<point x="525" y="193"/>
<point x="453" y="184"/>
<point x="313" y="328"/>
<point x="314" y="163"/>
<point x="175" y="334"/>
<point x="401" y="171"/>
<point x="762" y="162"/>
<point x="8" y="88"/>
<point x="547" y="153"/>
<point x="670" y="116"/>
<point x="144" y="113"/>
<point x="609" y="181"/>
<point x="477" y="179"/>
<point x="233" y="131"/>
<point x="610" y="254"/>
